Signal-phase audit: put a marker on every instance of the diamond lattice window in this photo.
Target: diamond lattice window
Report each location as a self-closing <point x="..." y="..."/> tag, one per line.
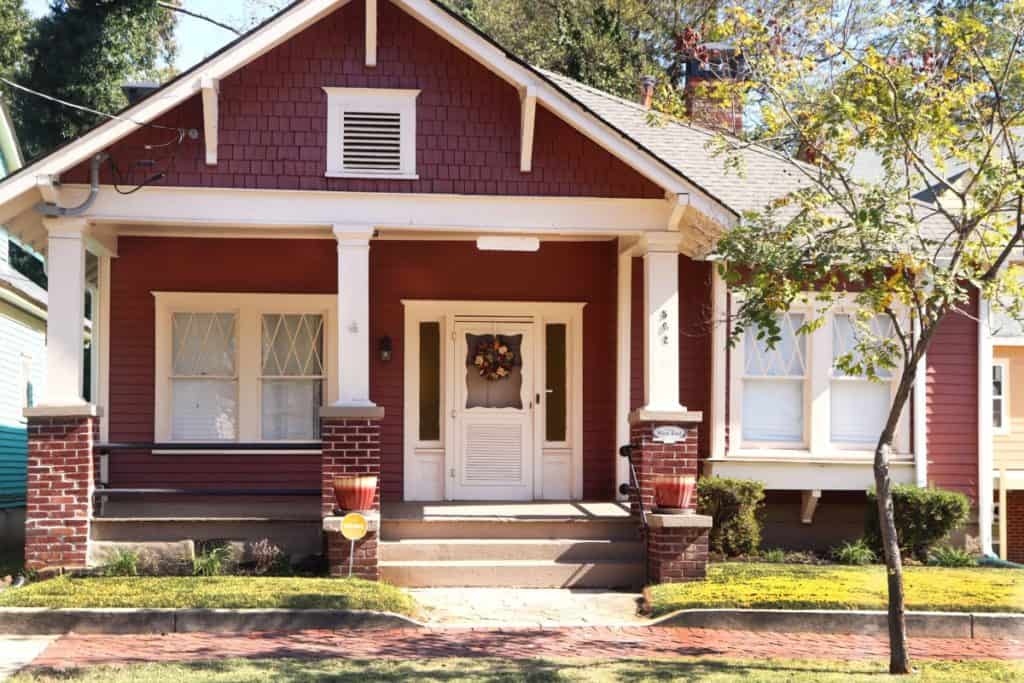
<point x="204" y="377"/>
<point x="292" y="374"/>
<point x="774" y="380"/>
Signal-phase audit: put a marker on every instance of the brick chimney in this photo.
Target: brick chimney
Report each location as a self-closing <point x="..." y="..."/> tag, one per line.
<point x="711" y="63"/>
<point x="647" y="90"/>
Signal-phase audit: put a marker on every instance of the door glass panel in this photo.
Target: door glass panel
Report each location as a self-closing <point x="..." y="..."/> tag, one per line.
<point x="555" y="372"/>
<point x="430" y="381"/>
<point x="494" y="371"/>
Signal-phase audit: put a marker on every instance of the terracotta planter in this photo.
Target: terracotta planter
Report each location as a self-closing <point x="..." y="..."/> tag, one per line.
<point x="675" y="492"/>
<point x="355" y="492"/>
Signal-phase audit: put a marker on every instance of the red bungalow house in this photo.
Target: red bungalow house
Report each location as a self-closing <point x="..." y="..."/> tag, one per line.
<point x="334" y="212"/>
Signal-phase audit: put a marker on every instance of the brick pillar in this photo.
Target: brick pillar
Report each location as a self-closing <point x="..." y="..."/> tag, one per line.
<point x="60" y="486"/>
<point x="1015" y="526"/>
<point x="676" y="545"/>
<point x="351" y="445"/>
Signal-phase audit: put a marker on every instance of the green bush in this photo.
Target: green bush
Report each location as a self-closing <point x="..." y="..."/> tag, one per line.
<point x="854" y="552"/>
<point x="213" y="562"/>
<point x="924" y="516"/>
<point x="774" y="555"/>
<point x="948" y="556"/>
<point x="733" y="505"/>
<point x="121" y="563"/>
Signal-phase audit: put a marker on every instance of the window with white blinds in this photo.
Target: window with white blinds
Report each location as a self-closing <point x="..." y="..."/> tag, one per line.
<point x="859" y="405"/>
<point x="243" y="367"/>
<point x="371" y="133"/>
<point x="774" y="384"/>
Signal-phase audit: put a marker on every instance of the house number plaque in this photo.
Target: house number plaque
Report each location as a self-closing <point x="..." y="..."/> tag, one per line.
<point x="669" y="434"/>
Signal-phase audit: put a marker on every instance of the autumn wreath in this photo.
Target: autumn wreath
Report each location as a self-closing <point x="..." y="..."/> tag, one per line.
<point x="494" y="359"/>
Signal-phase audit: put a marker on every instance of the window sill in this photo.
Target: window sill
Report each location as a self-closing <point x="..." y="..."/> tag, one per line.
<point x="373" y="176"/>
<point x="789" y="471"/>
<point x="801" y="455"/>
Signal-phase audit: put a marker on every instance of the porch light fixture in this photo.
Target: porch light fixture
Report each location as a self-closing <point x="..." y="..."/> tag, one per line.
<point x="384" y="345"/>
<point x="499" y="243"/>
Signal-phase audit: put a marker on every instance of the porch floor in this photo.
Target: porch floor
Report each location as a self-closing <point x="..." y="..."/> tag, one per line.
<point x="521" y="511"/>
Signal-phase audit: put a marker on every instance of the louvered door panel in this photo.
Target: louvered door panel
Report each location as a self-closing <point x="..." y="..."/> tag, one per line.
<point x="372" y="142"/>
<point x="493" y="453"/>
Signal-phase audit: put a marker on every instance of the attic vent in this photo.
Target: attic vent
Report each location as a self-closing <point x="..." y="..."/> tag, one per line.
<point x="371" y="133"/>
<point x="372" y="142"/>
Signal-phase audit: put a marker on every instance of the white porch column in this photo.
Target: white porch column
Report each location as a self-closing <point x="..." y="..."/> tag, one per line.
<point x="65" y="268"/>
<point x="622" y="375"/>
<point x="353" y="315"/>
<point x="661" y="322"/>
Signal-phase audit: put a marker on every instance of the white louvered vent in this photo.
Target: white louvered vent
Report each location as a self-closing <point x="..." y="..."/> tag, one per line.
<point x="494" y="454"/>
<point x="372" y="142"/>
<point x="371" y="133"/>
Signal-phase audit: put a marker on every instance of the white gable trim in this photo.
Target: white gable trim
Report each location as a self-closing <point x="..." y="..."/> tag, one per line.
<point x="306" y="13"/>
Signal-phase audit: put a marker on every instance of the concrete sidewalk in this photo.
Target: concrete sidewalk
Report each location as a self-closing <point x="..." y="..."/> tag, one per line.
<point x="547" y="607"/>
<point x="18" y="651"/>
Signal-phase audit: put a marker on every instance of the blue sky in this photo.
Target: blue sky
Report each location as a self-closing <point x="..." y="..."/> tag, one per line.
<point x="198" y="39"/>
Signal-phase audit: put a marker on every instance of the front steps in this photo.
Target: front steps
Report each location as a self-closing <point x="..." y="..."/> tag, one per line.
<point x="512" y="552"/>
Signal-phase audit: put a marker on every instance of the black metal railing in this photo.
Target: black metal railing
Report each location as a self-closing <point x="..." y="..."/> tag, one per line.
<point x="270" y="448"/>
<point x="633" y="487"/>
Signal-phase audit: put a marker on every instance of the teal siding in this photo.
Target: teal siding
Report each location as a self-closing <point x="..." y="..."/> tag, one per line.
<point x="13" y="466"/>
<point x="22" y="359"/>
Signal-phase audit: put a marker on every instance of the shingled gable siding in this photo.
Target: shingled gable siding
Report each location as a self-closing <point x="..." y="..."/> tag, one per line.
<point x="273" y="117"/>
<point x="560" y="271"/>
<point x="952" y="404"/>
<point x="694" y="341"/>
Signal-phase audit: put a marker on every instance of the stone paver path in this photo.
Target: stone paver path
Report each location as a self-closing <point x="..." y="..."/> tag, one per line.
<point x="528" y="607"/>
<point x="595" y="642"/>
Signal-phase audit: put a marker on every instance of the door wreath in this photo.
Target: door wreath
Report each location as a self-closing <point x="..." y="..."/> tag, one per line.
<point x="494" y="359"/>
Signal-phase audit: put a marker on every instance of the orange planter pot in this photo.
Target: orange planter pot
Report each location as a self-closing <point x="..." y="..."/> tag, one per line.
<point x="675" y="492"/>
<point x="355" y="493"/>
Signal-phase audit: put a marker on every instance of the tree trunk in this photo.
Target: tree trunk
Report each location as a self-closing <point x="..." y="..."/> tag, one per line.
<point x="899" y="658"/>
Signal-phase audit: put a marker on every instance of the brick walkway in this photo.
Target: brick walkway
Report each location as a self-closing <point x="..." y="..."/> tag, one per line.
<point x="644" y="642"/>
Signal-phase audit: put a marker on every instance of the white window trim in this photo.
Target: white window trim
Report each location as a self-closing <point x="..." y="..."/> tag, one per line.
<point x="817" y="442"/>
<point x="402" y="102"/>
<point x="248" y="308"/>
<point x="1004" y="365"/>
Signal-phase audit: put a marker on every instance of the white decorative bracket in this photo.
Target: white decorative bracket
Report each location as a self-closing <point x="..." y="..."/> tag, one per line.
<point x="371" y="32"/>
<point x="211" y="89"/>
<point x="528" y="114"/>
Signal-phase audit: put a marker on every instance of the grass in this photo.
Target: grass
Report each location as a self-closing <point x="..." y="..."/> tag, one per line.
<point x="213" y="591"/>
<point x="762" y="585"/>
<point x="451" y="670"/>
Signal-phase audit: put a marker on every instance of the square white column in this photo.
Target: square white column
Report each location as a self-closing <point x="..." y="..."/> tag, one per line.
<point x="661" y="322"/>
<point x="353" y="315"/>
<point x="65" y="342"/>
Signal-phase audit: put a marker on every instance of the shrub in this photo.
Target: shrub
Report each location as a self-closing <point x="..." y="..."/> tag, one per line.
<point x="212" y="562"/>
<point x="774" y="555"/>
<point x="924" y="516"/>
<point x="121" y="563"/>
<point x="268" y="558"/>
<point x="854" y="552"/>
<point x="948" y="556"/>
<point x="733" y="505"/>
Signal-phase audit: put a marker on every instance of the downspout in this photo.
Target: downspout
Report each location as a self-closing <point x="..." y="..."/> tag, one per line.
<point x="984" y="429"/>
<point x="48" y="209"/>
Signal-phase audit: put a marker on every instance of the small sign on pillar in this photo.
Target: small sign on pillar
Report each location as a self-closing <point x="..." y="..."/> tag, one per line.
<point x="353" y="527"/>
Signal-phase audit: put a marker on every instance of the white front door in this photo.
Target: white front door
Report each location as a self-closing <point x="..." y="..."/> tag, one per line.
<point x="493" y="421"/>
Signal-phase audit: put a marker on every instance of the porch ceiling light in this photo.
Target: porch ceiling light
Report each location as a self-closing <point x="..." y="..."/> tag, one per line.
<point x="499" y="243"/>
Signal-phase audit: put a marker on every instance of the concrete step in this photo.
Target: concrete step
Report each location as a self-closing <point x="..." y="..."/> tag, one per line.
<point x="614" y="529"/>
<point x="497" y="549"/>
<point x="513" y="574"/>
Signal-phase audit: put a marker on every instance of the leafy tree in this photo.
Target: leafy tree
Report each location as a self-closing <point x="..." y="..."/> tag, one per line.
<point x="608" y="44"/>
<point x="15" y="27"/>
<point x="933" y="93"/>
<point x="82" y="52"/>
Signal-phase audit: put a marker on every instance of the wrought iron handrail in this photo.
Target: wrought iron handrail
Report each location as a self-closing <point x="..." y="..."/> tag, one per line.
<point x="111" y="447"/>
<point x="101" y="491"/>
<point x="634" y="482"/>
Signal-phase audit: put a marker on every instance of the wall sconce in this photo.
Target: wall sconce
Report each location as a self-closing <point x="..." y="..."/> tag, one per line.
<point x="384" y="346"/>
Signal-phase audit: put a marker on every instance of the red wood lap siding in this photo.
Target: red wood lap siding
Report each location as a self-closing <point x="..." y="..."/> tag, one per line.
<point x="273" y="116"/>
<point x="560" y="271"/>
<point x="145" y="265"/>
<point x="952" y="404"/>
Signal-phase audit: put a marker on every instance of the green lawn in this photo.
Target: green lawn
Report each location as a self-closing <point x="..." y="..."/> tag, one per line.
<point x="451" y="670"/>
<point x="788" y="586"/>
<point x="216" y="591"/>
